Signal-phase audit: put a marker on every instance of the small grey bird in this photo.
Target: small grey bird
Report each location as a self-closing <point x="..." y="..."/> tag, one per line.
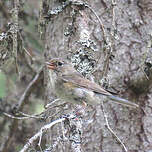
<point x="71" y="86"/>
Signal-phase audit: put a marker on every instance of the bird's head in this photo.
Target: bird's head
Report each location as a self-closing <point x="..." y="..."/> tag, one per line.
<point x="60" y="66"/>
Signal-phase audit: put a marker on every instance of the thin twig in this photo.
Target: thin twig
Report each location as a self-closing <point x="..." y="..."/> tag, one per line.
<point x="14" y="117"/>
<point x="52" y="102"/>
<point x="25" y="116"/>
<point x="101" y="24"/>
<point x="28" y="53"/>
<point x="109" y="128"/>
<point x="36" y="116"/>
<point x="28" y="89"/>
<point x="39" y="134"/>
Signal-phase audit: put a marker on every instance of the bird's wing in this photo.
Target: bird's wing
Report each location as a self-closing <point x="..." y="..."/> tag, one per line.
<point x="80" y="81"/>
<point x="85" y="83"/>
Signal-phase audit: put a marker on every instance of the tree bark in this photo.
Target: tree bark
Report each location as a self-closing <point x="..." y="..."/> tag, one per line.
<point x="113" y="50"/>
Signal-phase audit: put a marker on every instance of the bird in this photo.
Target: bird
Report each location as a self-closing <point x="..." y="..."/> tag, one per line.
<point x="71" y="86"/>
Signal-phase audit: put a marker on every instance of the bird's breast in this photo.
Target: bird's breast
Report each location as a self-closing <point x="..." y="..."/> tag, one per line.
<point x="75" y="94"/>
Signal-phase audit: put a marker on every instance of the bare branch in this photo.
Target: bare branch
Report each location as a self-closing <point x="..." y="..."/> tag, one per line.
<point x="39" y="134"/>
<point x="109" y="128"/>
<point x="23" y="98"/>
<point x="28" y="89"/>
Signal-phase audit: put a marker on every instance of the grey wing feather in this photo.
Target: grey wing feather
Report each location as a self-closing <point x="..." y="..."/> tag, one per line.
<point x="80" y="81"/>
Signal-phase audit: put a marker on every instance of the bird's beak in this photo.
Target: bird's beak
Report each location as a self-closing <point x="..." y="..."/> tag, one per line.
<point x="50" y="65"/>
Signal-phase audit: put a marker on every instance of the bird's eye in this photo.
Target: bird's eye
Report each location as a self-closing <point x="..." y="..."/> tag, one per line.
<point x="60" y="63"/>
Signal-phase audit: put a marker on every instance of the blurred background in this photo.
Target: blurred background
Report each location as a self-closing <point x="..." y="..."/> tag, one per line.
<point x="18" y="66"/>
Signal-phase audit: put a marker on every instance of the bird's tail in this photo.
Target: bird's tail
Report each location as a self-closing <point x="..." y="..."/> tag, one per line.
<point x="123" y="101"/>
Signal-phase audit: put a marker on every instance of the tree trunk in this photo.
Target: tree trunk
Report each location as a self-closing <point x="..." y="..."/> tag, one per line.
<point x="113" y="50"/>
